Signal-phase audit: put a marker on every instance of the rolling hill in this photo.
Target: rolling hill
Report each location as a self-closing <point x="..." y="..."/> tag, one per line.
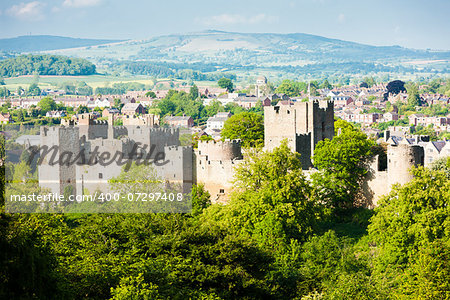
<point x="34" y="43"/>
<point x="207" y="51"/>
<point x="242" y="49"/>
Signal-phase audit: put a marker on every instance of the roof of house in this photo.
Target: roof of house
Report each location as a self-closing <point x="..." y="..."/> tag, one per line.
<point x="131" y="106"/>
<point x="438" y="145"/>
<point x="177" y="118"/>
<point x="218" y="119"/>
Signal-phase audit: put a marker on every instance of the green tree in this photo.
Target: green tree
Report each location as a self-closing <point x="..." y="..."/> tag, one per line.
<point x="413" y="95"/>
<point x="193" y="92"/>
<point x="226" y="83"/>
<point x="411" y="229"/>
<point x="4" y="92"/>
<point x="150" y="94"/>
<point x="272" y="200"/>
<point x="47" y="104"/>
<point x="343" y="164"/>
<point x="201" y="199"/>
<point x="82" y="109"/>
<point x="34" y="90"/>
<point x="213" y="108"/>
<point x="246" y="126"/>
<point x="326" y="85"/>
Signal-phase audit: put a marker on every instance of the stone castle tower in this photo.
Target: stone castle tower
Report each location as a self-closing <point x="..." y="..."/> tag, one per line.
<point x="303" y="124"/>
<point x="400" y="160"/>
<point x="56" y="176"/>
<point x="214" y="167"/>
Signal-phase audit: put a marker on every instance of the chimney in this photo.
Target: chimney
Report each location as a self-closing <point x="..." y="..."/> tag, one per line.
<point x="387" y="135"/>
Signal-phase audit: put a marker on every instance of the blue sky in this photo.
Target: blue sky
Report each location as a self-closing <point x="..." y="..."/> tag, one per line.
<point x="409" y="23"/>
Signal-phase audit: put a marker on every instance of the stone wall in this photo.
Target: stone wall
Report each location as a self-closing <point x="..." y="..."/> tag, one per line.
<point x="302" y="124"/>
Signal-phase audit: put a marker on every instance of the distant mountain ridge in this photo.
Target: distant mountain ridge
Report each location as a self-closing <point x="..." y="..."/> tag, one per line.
<point x="35" y="43"/>
<point x="240" y="49"/>
<point x="293" y="53"/>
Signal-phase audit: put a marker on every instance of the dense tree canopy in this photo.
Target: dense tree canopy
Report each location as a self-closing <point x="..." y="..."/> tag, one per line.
<point x="343" y="164"/>
<point x="411" y="231"/>
<point x="226" y="83"/>
<point x="47" y="104"/>
<point x="394" y="87"/>
<point x="246" y="126"/>
<point x="45" y="65"/>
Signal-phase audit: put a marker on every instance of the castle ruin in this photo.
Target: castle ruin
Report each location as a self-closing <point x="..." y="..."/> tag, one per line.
<point x="303" y="124"/>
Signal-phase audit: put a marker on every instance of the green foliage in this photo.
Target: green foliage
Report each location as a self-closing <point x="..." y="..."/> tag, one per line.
<point x="120" y="88"/>
<point x="435" y="110"/>
<point x="326" y="85"/>
<point x="420" y="130"/>
<point x="135" y="288"/>
<point x="246" y="126"/>
<point x="47" y="104"/>
<point x="272" y="202"/>
<point x="193" y="92"/>
<point x="411" y="232"/>
<point x="201" y="199"/>
<point x="343" y="164"/>
<point x="34" y="90"/>
<point x="234" y="108"/>
<point x="82" y="109"/>
<point x="150" y="94"/>
<point x="4" y="92"/>
<point x="291" y="88"/>
<point x="384" y="125"/>
<point x="45" y="65"/>
<point x="413" y="95"/>
<point x="179" y="103"/>
<point x="226" y="83"/>
<point x="213" y="108"/>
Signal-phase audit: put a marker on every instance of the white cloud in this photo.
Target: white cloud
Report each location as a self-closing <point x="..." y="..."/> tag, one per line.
<point x="31" y="11"/>
<point x="397" y="29"/>
<point x="235" y="19"/>
<point x="81" y="3"/>
<point x="341" y="18"/>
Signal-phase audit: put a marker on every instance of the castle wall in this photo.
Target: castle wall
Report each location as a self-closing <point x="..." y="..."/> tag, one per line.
<point x="375" y="186"/>
<point x="160" y="137"/>
<point x="279" y="124"/>
<point x="179" y="169"/>
<point x="215" y="164"/>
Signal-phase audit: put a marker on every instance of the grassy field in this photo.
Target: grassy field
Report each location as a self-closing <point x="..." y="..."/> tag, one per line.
<point x="54" y="81"/>
<point x="93" y="80"/>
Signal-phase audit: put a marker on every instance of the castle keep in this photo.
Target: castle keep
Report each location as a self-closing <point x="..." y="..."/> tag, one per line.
<point x="303" y="124"/>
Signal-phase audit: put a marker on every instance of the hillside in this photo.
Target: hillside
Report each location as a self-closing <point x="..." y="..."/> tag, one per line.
<point x="243" y="49"/>
<point x="34" y="43"/>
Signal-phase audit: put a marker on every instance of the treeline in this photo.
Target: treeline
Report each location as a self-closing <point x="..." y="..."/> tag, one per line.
<point x="121" y="88"/>
<point x="194" y="71"/>
<point x="45" y="65"/>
